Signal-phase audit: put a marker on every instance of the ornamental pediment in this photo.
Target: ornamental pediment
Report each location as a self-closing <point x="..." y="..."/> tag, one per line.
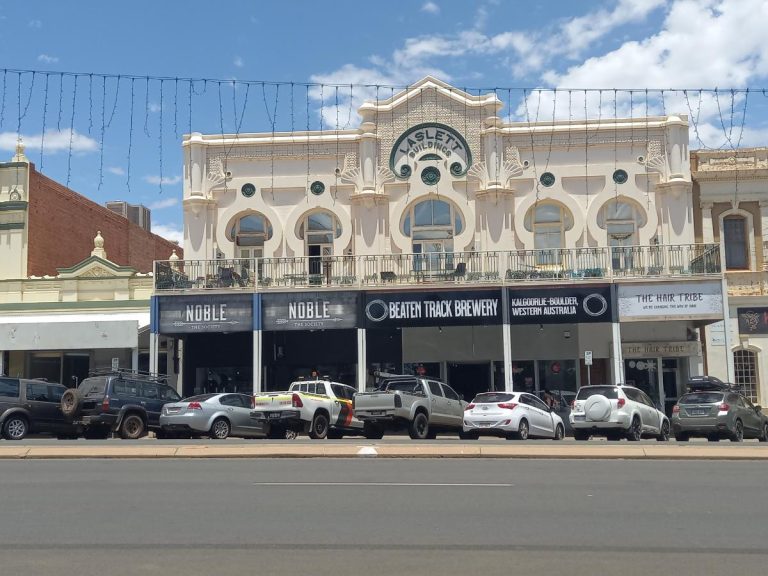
<point x="95" y="267"/>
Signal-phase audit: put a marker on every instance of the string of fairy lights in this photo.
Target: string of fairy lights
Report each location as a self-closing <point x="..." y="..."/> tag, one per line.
<point x="102" y="122"/>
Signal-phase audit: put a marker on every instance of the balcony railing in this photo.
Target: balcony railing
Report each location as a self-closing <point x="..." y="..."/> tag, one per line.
<point x="383" y="270"/>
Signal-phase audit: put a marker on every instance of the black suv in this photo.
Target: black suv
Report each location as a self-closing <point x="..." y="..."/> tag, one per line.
<point x="32" y="406"/>
<point x="128" y="403"/>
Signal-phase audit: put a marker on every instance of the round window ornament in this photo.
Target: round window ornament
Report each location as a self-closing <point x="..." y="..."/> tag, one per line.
<point x="15" y="195"/>
<point x="248" y="190"/>
<point x="547" y="179"/>
<point x="456" y="169"/>
<point x="317" y="188"/>
<point x="405" y="171"/>
<point x="430" y="175"/>
<point x="620" y="176"/>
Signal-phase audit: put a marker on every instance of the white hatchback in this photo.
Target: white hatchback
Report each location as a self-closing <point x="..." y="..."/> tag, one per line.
<point x="515" y="415"/>
<point x="616" y="411"/>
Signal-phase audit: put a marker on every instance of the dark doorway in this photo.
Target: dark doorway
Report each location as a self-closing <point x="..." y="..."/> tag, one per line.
<point x="218" y="363"/>
<point x="469" y="379"/>
<point x="75" y="369"/>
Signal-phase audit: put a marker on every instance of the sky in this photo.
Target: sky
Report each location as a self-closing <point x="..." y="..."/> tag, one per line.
<point x="113" y="132"/>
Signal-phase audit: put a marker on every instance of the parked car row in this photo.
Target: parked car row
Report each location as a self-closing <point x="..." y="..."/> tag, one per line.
<point x="130" y="405"/>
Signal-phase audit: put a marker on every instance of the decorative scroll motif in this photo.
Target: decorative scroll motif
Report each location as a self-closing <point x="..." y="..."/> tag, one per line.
<point x="655" y="159"/>
<point x="722" y="162"/>
<point x="510" y="168"/>
<point x="352" y="173"/>
<point x="216" y="174"/>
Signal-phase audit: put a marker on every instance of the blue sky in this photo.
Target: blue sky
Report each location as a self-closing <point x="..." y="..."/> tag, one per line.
<point x="654" y="44"/>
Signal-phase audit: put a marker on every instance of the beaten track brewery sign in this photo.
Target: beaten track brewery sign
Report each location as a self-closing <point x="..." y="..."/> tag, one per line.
<point x="430" y="141"/>
<point x="673" y="301"/>
<point x="205" y="313"/>
<point x="448" y="308"/>
<point x="310" y="310"/>
<point x="574" y="304"/>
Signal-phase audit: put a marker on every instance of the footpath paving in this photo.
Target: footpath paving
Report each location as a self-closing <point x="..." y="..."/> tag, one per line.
<point x="326" y="449"/>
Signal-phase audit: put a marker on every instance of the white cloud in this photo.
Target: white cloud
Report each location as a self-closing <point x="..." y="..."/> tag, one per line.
<point x="165" y="181"/>
<point x="35" y="24"/>
<point x="238" y="62"/>
<point x="170" y="232"/>
<point x="116" y="170"/>
<point x="154" y="107"/>
<point x="430" y="8"/>
<point x="165" y="203"/>
<point x="47" y="59"/>
<point x="55" y="141"/>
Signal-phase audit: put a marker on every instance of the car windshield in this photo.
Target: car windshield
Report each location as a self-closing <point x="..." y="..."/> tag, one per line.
<point x="492" y="397"/>
<point x="199" y="398"/>
<point x="405" y="386"/>
<point x="610" y="392"/>
<point x="701" y="398"/>
<point x="93" y="386"/>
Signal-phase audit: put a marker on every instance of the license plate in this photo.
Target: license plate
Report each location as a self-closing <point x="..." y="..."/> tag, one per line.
<point x="579" y="417"/>
<point x="376" y="412"/>
<point x="274" y="415"/>
<point x="699" y="412"/>
<point x="484" y="424"/>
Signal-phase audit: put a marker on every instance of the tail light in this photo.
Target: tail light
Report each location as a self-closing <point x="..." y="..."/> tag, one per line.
<point x="398" y="401"/>
<point x="620" y="403"/>
<point x="675" y="409"/>
<point x="105" y="404"/>
<point x="296" y="401"/>
<point x="468" y="407"/>
<point x="194" y="406"/>
<point x="508" y="405"/>
<point x="724" y="407"/>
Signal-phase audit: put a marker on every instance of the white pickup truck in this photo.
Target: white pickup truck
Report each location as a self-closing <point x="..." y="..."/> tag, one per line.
<point x="420" y="405"/>
<point x="316" y="407"/>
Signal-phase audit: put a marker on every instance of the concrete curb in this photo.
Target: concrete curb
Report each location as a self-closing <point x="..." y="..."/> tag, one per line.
<point x="411" y="450"/>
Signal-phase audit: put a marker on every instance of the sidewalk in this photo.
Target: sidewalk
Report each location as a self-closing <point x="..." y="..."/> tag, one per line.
<point x="324" y="449"/>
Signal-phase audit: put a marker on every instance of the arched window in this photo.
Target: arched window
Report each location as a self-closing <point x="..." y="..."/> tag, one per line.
<point x="548" y="221"/>
<point x="432" y="225"/>
<point x="319" y="230"/>
<point x="249" y="234"/>
<point x="621" y="220"/>
<point x="745" y="366"/>
<point x="736" y="243"/>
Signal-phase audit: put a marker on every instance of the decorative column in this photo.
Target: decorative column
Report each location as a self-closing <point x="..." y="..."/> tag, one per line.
<point x="494" y="151"/>
<point x="362" y="360"/>
<point x="368" y="156"/>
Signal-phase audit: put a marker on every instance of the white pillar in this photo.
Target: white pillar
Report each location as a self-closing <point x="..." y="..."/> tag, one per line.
<point x="506" y="332"/>
<point x="618" y="360"/>
<point x="154" y="352"/>
<point x="134" y="359"/>
<point x="763" y="232"/>
<point x="707" y="230"/>
<point x="2" y="363"/>
<point x="362" y="362"/>
<point x="368" y="156"/>
<point x="727" y="332"/>
<point x="180" y="373"/>
<point x="257" y="387"/>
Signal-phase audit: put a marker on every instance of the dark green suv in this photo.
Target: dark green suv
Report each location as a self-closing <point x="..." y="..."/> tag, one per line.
<point x="122" y="402"/>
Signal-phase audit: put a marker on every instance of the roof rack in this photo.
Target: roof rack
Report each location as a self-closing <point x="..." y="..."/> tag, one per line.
<point x="137" y="374"/>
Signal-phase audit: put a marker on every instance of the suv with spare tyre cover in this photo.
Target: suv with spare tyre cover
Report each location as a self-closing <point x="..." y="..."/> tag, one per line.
<point x="616" y="412"/>
<point x="124" y="402"/>
<point x="31" y="406"/>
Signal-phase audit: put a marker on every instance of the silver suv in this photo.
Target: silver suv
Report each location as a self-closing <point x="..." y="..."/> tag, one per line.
<point x="616" y="411"/>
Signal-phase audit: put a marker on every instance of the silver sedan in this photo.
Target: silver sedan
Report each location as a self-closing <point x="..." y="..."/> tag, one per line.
<point x="217" y="415"/>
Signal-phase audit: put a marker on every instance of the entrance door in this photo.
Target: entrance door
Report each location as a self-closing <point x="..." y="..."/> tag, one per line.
<point x="670" y="379"/>
<point x="75" y="369"/>
<point x="433" y="256"/>
<point x="468" y="380"/>
<point x="316" y="253"/>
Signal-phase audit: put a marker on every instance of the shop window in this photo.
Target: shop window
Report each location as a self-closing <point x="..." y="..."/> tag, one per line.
<point x="557" y="375"/>
<point x="735" y="239"/>
<point x="745" y="366"/>
<point x="548" y="221"/>
<point x="432" y="226"/>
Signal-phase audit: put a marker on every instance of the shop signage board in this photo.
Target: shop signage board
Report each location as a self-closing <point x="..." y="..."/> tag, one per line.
<point x="572" y="304"/>
<point x="310" y="311"/>
<point x="205" y="313"/>
<point x="671" y="301"/>
<point x="656" y="349"/>
<point x="444" y="308"/>
<point x="753" y="320"/>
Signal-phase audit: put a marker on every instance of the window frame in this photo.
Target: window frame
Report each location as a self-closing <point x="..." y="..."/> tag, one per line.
<point x="741" y="244"/>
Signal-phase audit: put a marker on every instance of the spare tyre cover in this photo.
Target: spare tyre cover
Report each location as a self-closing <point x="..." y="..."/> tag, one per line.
<point x="597" y="408"/>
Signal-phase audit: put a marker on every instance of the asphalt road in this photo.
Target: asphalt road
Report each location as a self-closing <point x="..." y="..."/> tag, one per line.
<point x="372" y="517"/>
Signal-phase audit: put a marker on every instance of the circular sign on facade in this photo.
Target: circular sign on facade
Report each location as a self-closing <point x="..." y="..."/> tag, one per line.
<point x="376" y="310"/>
<point x="595" y="305"/>
<point x="426" y="142"/>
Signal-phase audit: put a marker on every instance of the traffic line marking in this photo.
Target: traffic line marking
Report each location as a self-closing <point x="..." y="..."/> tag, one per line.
<point x="396" y="484"/>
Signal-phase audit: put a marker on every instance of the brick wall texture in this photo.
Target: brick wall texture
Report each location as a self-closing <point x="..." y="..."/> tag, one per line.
<point x="63" y="224"/>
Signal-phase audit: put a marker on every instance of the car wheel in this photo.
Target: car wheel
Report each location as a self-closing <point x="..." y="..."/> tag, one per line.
<point x="559" y="432"/>
<point x="523" y="430"/>
<point x="468" y="435"/>
<point x="132" y="427"/>
<point x="682" y="437"/>
<point x="764" y="435"/>
<point x="635" y="431"/>
<point x="580" y="435"/>
<point x="70" y="403"/>
<point x="738" y="432"/>
<point x="220" y="429"/>
<point x="319" y="428"/>
<point x="664" y="434"/>
<point x="290" y="434"/>
<point x="419" y="428"/>
<point x="373" y="431"/>
<point x="15" y="428"/>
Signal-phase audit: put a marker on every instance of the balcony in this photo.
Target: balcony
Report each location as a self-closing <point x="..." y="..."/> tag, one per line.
<point x="512" y="267"/>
